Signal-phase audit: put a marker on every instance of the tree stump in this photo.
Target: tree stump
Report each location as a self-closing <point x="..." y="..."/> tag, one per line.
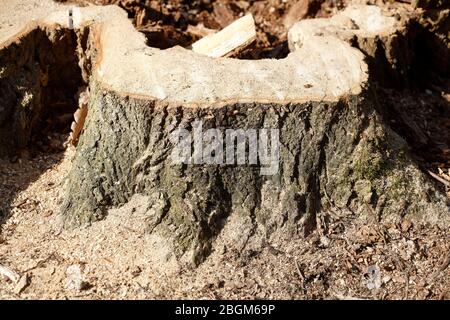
<point x="334" y="147"/>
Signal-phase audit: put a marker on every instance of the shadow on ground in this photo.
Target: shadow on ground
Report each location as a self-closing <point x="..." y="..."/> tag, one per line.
<point x="17" y="174"/>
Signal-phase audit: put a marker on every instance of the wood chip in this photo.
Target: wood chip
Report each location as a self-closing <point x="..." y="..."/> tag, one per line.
<point x="340" y="296"/>
<point x="229" y="40"/>
<point x="22" y="284"/>
<point x="10" y="274"/>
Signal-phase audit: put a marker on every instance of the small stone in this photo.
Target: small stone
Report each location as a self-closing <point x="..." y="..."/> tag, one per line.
<point x="373" y="278"/>
<point x="74" y="279"/>
<point x="325" y="241"/>
<point x="386" y="279"/>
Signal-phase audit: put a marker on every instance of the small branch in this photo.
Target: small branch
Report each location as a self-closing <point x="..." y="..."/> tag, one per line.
<point x="300" y="274"/>
<point x="441" y="180"/>
<point x="442" y="267"/>
<point x="406" y="286"/>
<point x="21" y="203"/>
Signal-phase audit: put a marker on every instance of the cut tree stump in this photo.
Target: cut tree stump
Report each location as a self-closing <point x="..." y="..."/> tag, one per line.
<point x="386" y="40"/>
<point x="334" y="146"/>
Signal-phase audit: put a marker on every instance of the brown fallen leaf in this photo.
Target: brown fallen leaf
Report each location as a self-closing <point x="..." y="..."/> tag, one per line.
<point x="223" y="15"/>
<point x="297" y="12"/>
<point x="406" y="225"/>
<point x="79" y="117"/>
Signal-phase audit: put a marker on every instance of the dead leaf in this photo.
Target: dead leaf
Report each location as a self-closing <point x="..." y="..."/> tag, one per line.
<point x="79" y="117"/>
<point x="223" y="14"/>
<point x="297" y="12"/>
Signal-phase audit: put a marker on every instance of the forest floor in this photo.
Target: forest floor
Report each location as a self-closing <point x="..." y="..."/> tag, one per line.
<point x="346" y="257"/>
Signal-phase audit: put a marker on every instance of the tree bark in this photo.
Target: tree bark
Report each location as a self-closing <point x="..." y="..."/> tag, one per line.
<point x="332" y="153"/>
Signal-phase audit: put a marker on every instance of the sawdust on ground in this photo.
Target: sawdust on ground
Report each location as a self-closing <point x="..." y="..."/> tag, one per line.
<point x="345" y="258"/>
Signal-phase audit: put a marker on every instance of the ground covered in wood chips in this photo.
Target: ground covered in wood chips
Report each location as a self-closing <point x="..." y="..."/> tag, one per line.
<point x="345" y="258"/>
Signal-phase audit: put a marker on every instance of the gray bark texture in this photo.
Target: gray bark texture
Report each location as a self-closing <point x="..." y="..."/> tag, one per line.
<point x="331" y="154"/>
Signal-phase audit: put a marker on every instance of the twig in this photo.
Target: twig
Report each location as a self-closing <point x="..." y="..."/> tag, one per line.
<point x="443" y="175"/>
<point x="441" y="180"/>
<point x="445" y="264"/>
<point x="330" y="201"/>
<point x="340" y="296"/>
<point x="442" y="267"/>
<point x="21" y="203"/>
<point x="300" y="274"/>
<point x="51" y="187"/>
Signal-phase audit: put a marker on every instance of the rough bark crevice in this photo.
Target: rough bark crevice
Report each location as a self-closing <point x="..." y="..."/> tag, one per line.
<point x="340" y="148"/>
